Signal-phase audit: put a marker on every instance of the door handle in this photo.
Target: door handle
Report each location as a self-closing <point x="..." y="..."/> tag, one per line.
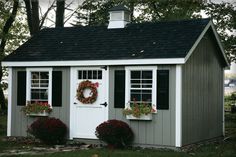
<point x="104" y="104"/>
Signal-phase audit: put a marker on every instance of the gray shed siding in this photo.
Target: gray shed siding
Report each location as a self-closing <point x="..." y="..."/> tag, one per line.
<point x="158" y="132"/>
<point x="20" y="121"/>
<point x="202" y="93"/>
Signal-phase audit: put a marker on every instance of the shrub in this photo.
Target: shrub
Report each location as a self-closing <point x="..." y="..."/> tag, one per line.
<point x="49" y="130"/>
<point x="115" y="133"/>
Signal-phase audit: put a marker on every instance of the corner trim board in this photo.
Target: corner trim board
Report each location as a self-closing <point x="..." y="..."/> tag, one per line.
<point x="9" y="112"/>
<point x="178" y="110"/>
<point x="71" y="100"/>
<point x="223" y="99"/>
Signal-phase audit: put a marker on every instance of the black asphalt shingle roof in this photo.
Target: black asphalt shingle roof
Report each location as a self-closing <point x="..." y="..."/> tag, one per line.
<point x="136" y="41"/>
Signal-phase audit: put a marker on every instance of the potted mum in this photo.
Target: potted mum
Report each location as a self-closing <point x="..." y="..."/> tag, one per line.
<point x="139" y="111"/>
<point x="37" y="109"/>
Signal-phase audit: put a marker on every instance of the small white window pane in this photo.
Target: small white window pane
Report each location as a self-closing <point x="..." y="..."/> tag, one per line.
<point x="95" y="74"/>
<point x="99" y="74"/>
<point x="44" y="75"/>
<point x="135" y="74"/>
<point x="84" y="74"/>
<point x="79" y="74"/>
<point x="147" y="74"/>
<point x="43" y="83"/>
<point x="34" y="83"/>
<point x="90" y="74"/>
<point x="39" y="94"/>
<point x="35" y="75"/>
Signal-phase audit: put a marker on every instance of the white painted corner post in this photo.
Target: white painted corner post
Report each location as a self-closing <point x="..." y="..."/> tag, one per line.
<point x="178" y="109"/>
<point x="72" y="80"/>
<point x="223" y="105"/>
<point x="9" y="112"/>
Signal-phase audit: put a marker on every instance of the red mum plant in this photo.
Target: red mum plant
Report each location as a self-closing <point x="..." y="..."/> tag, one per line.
<point x="115" y="133"/>
<point x="49" y="130"/>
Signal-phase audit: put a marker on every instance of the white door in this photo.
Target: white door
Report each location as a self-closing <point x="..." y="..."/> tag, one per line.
<point x="85" y="117"/>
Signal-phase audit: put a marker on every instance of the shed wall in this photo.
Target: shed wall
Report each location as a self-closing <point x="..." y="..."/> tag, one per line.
<point x="158" y="132"/>
<point x="20" y="121"/>
<point x="202" y="93"/>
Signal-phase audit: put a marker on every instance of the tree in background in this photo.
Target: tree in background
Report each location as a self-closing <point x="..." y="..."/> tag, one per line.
<point x="92" y="12"/>
<point x="12" y="34"/>
<point x="95" y="13"/>
<point x="60" y="13"/>
<point x="15" y="28"/>
<point x="224" y="18"/>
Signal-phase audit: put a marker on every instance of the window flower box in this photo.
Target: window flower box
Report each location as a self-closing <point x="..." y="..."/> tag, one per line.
<point x="142" y="117"/>
<point x="139" y="111"/>
<point x="39" y="114"/>
<point x="37" y="109"/>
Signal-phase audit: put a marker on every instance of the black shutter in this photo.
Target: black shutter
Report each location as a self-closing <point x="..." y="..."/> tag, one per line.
<point x="57" y="88"/>
<point x="163" y="89"/>
<point x="21" y="88"/>
<point x="119" y="89"/>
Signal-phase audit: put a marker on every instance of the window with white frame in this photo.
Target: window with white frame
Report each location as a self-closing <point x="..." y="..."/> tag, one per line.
<point x="141" y="85"/>
<point x="39" y="85"/>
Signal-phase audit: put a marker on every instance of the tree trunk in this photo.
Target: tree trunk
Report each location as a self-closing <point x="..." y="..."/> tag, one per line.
<point x="131" y="7"/>
<point x="29" y="15"/>
<point x="60" y="13"/>
<point x="5" y="31"/>
<point x="35" y="16"/>
<point x="32" y="11"/>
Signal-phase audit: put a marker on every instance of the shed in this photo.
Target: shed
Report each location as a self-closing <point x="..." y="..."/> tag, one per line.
<point x="177" y="67"/>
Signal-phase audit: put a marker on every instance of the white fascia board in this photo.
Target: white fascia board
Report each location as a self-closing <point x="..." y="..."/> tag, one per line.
<point x="209" y="25"/>
<point x="94" y="62"/>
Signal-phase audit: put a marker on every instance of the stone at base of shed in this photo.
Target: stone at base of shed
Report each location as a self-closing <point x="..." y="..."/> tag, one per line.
<point x="89" y="141"/>
<point x="136" y="145"/>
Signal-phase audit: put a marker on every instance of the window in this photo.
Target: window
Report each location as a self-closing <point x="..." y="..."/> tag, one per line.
<point x="39" y="85"/>
<point x="90" y="74"/>
<point x="141" y="85"/>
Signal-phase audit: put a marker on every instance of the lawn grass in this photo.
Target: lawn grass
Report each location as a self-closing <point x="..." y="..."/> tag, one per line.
<point x="224" y="148"/>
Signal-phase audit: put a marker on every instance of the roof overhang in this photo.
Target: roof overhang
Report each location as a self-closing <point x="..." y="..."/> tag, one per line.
<point x="94" y="62"/>
<point x="208" y="26"/>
